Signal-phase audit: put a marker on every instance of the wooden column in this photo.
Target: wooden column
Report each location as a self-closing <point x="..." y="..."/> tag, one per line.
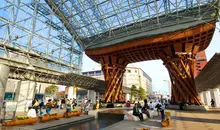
<point x="113" y="69"/>
<point x="180" y="68"/>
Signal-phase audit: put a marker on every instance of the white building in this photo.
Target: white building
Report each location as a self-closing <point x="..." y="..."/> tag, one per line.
<point x="132" y="76"/>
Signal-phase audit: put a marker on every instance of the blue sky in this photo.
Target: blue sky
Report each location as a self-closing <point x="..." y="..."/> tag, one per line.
<point x="155" y="69"/>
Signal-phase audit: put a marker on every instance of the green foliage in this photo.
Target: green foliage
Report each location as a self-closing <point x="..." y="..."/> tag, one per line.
<point x="22" y="117"/>
<point x="51" y="89"/>
<point x="54" y="114"/>
<point x="142" y="93"/>
<point x="134" y="91"/>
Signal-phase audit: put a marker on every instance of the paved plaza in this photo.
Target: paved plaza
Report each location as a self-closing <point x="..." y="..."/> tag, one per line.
<point x="181" y="120"/>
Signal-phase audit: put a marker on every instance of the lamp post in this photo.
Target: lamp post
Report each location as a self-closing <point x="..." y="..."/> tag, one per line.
<point x="169" y="87"/>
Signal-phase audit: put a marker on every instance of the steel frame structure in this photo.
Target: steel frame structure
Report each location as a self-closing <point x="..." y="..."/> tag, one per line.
<point x="30" y="28"/>
<point x="21" y="70"/>
<point x="133" y="31"/>
<point x="107" y="22"/>
<point x="70" y="26"/>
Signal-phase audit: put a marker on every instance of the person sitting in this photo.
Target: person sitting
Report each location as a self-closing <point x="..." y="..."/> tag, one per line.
<point x="137" y="113"/>
<point x="139" y="105"/>
<point x="128" y="104"/>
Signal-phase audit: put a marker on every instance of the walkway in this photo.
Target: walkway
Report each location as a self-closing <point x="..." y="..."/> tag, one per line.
<point x="181" y="120"/>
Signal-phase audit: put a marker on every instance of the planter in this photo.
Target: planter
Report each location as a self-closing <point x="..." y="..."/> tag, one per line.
<point x="15" y="122"/>
<point x="165" y="123"/>
<point x="70" y="114"/>
<point x="47" y="117"/>
<point x="58" y="116"/>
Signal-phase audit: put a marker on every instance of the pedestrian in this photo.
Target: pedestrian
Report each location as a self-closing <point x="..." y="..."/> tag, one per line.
<point x="41" y="107"/>
<point x="146" y="108"/>
<point x="36" y="105"/>
<point x="48" y="106"/>
<point x="162" y="112"/>
<point x="158" y="106"/>
<point x="212" y="103"/>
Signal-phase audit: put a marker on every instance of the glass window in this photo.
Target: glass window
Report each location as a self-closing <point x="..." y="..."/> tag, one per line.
<point x="129" y="71"/>
<point x="9" y="96"/>
<point x="39" y="96"/>
<point x="98" y="73"/>
<point x="91" y="73"/>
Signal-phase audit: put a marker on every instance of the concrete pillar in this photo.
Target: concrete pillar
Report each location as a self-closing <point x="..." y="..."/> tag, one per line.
<point x="202" y="97"/>
<point x="24" y="95"/>
<point x="207" y="98"/>
<point x="91" y="94"/>
<point x="4" y="72"/>
<point x="71" y="93"/>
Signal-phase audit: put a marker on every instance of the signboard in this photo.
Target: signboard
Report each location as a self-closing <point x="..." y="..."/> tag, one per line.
<point x="10" y="106"/>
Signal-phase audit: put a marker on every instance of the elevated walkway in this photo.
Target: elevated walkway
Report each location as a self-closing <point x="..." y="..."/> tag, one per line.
<point x="21" y="69"/>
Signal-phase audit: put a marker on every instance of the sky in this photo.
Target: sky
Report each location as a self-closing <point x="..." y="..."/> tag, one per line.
<point x="155" y="68"/>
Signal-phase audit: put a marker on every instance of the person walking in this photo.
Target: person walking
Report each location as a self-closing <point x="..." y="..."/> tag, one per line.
<point x="212" y="103"/>
<point x="86" y="107"/>
<point x="146" y="108"/>
<point x="41" y="107"/>
<point x="48" y="106"/>
<point x="162" y="112"/>
<point x="158" y="106"/>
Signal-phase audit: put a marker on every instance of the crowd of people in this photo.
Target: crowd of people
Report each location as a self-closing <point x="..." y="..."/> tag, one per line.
<point x="139" y="110"/>
<point x="36" y="105"/>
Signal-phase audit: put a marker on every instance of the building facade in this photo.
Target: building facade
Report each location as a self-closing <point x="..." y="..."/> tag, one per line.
<point x="208" y="82"/>
<point x="200" y="62"/>
<point x="132" y="76"/>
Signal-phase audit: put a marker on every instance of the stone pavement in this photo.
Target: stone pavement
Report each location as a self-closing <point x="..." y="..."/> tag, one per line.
<point x="181" y="120"/>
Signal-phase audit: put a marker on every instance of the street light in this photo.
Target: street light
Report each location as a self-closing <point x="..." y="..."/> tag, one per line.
<point x="169" y="87"/>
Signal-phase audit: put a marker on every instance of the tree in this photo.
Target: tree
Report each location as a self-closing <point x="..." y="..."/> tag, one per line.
<point x="51" y="89"/>
<point x="134" y="91"/>
<point x="142" y="93"/>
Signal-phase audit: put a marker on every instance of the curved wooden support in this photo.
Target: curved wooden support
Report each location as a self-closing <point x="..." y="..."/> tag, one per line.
<point x="113" y="69"/>
<point x="180" y="67"/>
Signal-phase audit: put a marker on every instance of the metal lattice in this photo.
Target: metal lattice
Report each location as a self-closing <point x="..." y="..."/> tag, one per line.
<point x="30" y="28"/>
<point x="98" y="21"/>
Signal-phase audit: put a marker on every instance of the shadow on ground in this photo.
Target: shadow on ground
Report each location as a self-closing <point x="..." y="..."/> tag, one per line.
<point x="155" y="122"/>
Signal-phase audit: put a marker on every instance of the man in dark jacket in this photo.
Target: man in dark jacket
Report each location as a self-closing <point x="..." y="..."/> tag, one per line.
<point x="137" y="113"/>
